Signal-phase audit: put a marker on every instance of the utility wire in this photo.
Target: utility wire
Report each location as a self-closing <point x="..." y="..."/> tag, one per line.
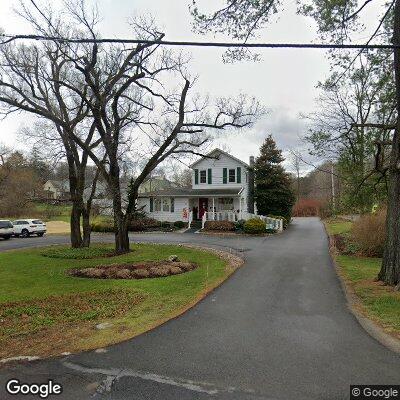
<point x="10" y="38"/>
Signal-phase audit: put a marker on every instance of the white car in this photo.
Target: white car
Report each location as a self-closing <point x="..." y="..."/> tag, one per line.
<point x="6" y="229"/>
<point x="26" y="227"/>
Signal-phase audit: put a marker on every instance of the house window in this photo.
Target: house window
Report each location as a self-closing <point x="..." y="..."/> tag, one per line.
<point x="225" y="203"/>
<point x="232" y="175"/>
<point x="203" y="176"/>
<point x="165" y="205"/>
<point x="157" y="205"/>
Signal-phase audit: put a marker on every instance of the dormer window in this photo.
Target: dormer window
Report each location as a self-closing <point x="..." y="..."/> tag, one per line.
<point x="232" y="175"/>
<point x="203" y="176"/>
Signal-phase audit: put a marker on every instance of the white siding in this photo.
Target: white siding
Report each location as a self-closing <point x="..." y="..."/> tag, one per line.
<point x="217" y="167"/>
<point x="179" y="204"/>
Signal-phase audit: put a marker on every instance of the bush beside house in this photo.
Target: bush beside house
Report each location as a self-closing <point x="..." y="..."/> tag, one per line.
<point x="254" y="226"/>
<point x="141" y="224"/>
<point x="223" y="226"/>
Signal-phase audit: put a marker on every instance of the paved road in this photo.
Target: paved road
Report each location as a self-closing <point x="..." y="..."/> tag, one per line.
<point x="278" y="329"/>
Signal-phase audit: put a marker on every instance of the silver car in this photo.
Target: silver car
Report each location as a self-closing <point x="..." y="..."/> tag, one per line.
<point x="6" y="229"/>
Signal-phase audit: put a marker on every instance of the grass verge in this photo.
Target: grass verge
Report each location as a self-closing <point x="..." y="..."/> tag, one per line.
<point x="377" y="302"/>
<point x="45" y="312"/>
<point x="336" y="226"/>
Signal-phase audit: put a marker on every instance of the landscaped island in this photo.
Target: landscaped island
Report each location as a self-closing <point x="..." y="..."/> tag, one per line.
<point x="46" y="311"/>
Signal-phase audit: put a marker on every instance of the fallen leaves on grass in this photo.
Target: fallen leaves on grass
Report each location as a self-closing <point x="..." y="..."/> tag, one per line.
<point x="28" y="317"/>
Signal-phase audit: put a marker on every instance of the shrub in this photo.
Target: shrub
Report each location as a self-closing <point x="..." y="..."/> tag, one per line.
<point x="369" y="233"/>
<point x="179" y="224"/>
<point x="307" y="208"/>
<point x="239" y="225"/>
<point x="102" y="226"/>
<point x="165" y="224"/>
<point x="142" y="224"/>
<point x="140" y="273"/>
<point x="224" y="226"/>
<point x="175" y="270"/>
<point x="254" y="225"/>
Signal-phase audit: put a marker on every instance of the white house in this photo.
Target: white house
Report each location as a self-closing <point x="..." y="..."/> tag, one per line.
<point x="222" y="189"/>
<point x="57" y="190"/>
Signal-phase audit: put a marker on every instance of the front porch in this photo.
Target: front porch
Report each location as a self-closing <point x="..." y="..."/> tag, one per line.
<point x="222" y="206"/>
<point x="270" y="223"/>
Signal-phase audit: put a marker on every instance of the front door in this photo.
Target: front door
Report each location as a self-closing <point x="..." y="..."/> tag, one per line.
<point x="203" y="206"/>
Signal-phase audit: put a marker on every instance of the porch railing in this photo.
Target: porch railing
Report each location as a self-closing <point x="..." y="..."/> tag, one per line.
<point x="190" y="219"/>
<point x="270" y="223"/>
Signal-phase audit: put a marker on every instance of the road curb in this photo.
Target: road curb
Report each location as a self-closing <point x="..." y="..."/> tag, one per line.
<point x="354" y="303"/>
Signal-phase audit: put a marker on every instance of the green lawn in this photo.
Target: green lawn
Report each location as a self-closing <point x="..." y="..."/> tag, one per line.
<point x="50" y="212"/>
<point x="44" y="311"/>
<point x="338" y="226"/>
<point x="379" y="302"/>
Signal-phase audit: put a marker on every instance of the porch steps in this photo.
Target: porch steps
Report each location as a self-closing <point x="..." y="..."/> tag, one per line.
<point x="195" y="226"/>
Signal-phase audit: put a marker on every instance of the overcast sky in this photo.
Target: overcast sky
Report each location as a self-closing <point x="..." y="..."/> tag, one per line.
<point x="284" y="81"/>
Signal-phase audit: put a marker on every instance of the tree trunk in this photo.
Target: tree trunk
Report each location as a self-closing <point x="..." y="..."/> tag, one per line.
<point x="121" y="234"/>
<point x="86" y="229"/>
<point x="120" y="222"/>
<point x="390" y="270"/>
<point x="76" y="237"/>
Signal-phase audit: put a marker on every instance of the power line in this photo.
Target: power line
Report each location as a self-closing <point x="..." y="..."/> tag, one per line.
<point x="10" y="38"/>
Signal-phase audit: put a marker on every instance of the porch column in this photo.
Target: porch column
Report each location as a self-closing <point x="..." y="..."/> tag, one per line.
<point x="213" y="208"/>
<point x="240" y="208"/>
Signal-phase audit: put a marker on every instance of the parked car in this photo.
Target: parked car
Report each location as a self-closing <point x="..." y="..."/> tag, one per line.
<point x="6" y="229"/>
<point x="26" y="227"/>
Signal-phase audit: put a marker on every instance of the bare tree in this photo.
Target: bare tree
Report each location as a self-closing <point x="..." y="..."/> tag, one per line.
<point x="339" y="130"/>
<point x="296" y="162"/>
<point x="35" y="79"/>
<point x="124" y="96"/>
<point x="129" y="100"/>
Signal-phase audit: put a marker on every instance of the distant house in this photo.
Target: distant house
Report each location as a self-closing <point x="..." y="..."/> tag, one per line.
<point x="56" y="190"/>
<point x="155" y="183"/>
<point x="222" y="189"/>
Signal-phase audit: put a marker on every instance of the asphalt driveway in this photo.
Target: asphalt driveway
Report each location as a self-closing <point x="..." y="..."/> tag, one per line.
<point x="279" y="328"/>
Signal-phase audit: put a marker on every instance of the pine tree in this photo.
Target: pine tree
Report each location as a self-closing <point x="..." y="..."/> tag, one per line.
<point x="273" y="192"/>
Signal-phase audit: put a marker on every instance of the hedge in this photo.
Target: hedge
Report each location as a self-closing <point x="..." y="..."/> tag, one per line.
<point x="254" y="225"/>
<point x="223" y="226"/>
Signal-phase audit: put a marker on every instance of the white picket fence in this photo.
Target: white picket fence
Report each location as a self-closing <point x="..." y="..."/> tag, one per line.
<point x="270" y="223"/>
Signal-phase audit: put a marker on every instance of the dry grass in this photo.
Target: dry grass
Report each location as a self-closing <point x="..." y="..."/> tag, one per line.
<point x="58" y="227"/>
<point x="26" y="324"/>
<point x="369" y="233"/>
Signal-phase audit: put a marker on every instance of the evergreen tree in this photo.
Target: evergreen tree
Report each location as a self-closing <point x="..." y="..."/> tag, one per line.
<point x="273" y="190"/>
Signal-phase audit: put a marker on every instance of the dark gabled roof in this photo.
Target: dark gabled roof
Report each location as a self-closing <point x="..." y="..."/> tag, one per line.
<point x="182" y="192"/>
<point x="217" y="150"/>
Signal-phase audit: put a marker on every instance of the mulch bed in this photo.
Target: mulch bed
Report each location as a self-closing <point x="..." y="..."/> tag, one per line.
<point x="147" y="269"/>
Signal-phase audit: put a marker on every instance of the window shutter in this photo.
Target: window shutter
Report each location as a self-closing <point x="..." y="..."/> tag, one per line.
<point x="196" y="176"/>
<point x="225" y="175"/>
<point x="151" y="204"/>
<point x="172" y="204"/>
<point x="238" y="175"/>
<point x="209" y="176"/>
